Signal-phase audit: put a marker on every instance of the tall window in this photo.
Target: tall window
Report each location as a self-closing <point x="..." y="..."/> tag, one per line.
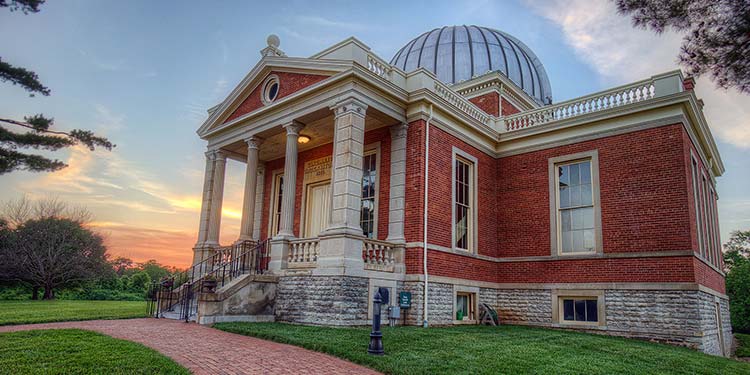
<point x="463" y="201"/>
<point x="698" y="211"/>
<point x="369" y="184"/>
<point x="707" y="233"/>
<point x="575" y="208"/>
<point x="278" y="191"/>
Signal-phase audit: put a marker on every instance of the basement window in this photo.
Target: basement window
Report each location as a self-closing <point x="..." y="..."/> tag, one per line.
<point x="465" y="306"/>
<point x="580" y="309"/>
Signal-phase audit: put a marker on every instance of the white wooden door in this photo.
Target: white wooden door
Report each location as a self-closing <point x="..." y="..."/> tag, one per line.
<point x="318" y="208"/>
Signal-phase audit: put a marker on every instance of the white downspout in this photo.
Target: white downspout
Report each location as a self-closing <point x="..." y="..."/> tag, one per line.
<point x="424" y="230"/>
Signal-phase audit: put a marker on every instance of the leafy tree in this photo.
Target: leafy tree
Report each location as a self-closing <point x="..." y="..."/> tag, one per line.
<point x="737" y="262"/>
<point x="36" y="132"/>
<point x="55" y="253"/>
<point x="121" y="264"/>
<point x="717" y="39"/>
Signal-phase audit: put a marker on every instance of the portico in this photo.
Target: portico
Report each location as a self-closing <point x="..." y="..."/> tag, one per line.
<point x="311" y="209"/>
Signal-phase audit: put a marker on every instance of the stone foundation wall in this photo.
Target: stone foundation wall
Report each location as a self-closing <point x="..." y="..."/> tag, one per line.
<point x="524" y="306"/>
<point x="440" y="302"/>
<point x="710" y="342"/>
<point x="322" y="300"/>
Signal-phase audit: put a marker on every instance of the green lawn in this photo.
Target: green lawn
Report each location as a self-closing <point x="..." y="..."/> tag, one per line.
<point x="493" y="350"/>
<point x="743" y="344"/>
<point x="22" y="312"/>
<point x="73" y="351"/>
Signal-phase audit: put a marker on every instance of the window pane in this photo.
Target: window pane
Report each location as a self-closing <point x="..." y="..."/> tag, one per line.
<point x="577" y="240"/>
<point x="585" y="171"/>
<point x="568" y="310"/>
<point x="564" y="197"/>
<point x="588" y="240"/>
<point x="565" y="220"/>
<point x="592" y="315"/>
<point x="574" y="176"/>
<point x="580" y="310"/>
<point x="575" y="196"/>
<point x="564" y="175"/>
<point x="462" y="304"/>
<point x="567" y="242"/>
<point x="587" y="215"/>
<point x="586" y="196"/>
<point x="576" y="219"/>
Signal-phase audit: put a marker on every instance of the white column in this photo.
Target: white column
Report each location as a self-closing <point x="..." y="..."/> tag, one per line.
<point x="206" y="202"/>
<point x="217" y="198"/>
<point x="397" y="189"/>
<point x="259" y="201"/>
<point x="286" y="226"/>
<point x="251" y="183"/>
<point x="348" y="148"/>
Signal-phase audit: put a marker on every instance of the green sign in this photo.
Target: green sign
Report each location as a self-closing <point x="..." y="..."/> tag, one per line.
<point x="404" y="300"/>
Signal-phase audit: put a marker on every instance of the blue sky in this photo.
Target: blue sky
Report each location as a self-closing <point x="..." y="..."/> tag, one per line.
<point x="144" y="72"/>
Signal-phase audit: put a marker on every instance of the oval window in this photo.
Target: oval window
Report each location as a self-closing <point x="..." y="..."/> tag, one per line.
<point x="271" y="89"/>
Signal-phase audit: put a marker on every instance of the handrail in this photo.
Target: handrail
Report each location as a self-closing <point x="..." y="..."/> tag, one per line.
<point x="378" y="255"/>
<point x="617" y="97"/>
<point x="227" y="262"/>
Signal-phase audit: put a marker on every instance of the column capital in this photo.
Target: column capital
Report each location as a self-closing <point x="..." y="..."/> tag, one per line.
<point x="293" y="127"/>
<point x="349" y="105"/>
<point x="253" y="141"/>
<point x="216" y="155"/>
<point x="399" y="130"/>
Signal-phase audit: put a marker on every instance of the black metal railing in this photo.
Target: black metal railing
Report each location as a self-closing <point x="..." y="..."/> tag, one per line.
<point x="226" y="264"/>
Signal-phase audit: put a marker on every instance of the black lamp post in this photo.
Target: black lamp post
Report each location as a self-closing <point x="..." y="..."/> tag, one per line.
<point x="376" y="337"/>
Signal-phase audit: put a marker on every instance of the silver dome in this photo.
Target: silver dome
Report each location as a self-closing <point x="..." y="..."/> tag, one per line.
<point x="459" y="53"/>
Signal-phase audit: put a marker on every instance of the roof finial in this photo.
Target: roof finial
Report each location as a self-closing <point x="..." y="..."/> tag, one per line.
<point x="273" y="42"/>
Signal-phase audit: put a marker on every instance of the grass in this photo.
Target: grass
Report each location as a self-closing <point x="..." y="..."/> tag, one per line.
<point x="24" y="312"/>
<point x="73" y="351"/>
<point x="494" y="350"/>
<point x="743" y="344"/>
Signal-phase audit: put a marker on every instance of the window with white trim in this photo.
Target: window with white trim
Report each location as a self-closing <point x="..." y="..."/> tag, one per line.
<point x="369" y="191"/>
<point x="463" y="204"/>
<point x="278" y="191"/>
<point x="575" y="207"/>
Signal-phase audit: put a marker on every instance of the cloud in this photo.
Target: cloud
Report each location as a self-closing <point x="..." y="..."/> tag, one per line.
<point x="621" y="53"/>
<point x="325" y="22"/>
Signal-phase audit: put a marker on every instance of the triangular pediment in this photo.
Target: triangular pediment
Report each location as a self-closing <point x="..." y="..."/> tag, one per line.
<point x="292" y="74"/>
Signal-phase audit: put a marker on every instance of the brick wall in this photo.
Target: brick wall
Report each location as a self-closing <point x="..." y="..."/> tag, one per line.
<point x="489" y="103"/>
<point x="708" y="277"/>
<point x="289" y="83"/>
<point x="642" y="190"/>
<point x="506" y="108"/>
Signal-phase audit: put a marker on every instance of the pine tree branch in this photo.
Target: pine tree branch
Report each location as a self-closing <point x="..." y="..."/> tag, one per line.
<point x="39" y="124"/>
<point x="22" y="77"/>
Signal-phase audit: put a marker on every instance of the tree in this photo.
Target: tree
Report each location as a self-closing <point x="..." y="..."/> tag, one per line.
<point x="16" y="215"/>
<point x="737" y="262"/>
<point x="717" y="39"/>
<point x="121" y="264"/>
<point x="36" y="132"/>
<point x="56" y="252"/>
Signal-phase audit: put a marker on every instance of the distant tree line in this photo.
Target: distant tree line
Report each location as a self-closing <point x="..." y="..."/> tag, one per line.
<point x="47" y="251"/>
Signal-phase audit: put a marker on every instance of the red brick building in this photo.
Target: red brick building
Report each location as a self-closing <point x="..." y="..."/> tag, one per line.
<point x="450" y="173"/>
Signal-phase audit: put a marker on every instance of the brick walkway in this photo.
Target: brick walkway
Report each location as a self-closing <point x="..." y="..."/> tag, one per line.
<point x="205" y="350"/>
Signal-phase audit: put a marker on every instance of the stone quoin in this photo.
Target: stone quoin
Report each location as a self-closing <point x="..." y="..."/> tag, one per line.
<point x="450" y="173"/>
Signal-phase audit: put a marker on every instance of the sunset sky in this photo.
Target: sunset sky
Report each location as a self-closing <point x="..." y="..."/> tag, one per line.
<point x="143" y="74"/>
